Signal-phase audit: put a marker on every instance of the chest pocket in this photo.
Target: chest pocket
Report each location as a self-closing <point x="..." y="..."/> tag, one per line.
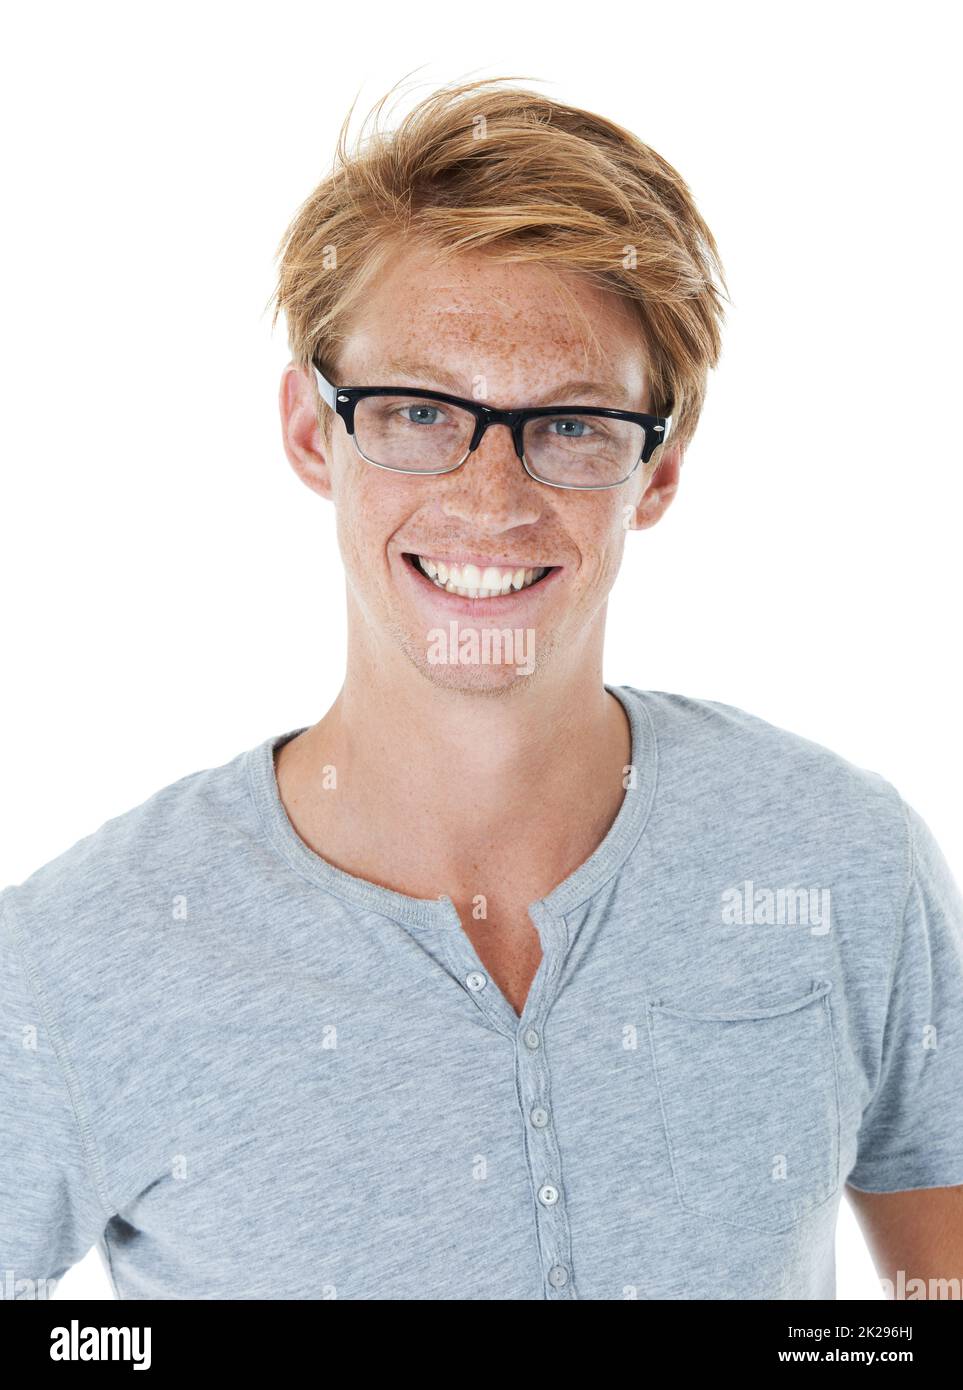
<point x="750" y="1105"/>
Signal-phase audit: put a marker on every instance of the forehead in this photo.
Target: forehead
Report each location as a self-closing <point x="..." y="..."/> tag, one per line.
<point x="513" y="322"/>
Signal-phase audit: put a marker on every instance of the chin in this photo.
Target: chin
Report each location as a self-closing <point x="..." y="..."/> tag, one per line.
<point x="478" y="677"/>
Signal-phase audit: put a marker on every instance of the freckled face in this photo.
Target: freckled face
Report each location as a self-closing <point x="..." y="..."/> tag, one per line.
<point x="503" y="335"/>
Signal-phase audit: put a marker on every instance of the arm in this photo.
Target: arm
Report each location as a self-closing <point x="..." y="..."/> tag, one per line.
<point x="906" y="1187"/>
<point x="919" y="1232"/>
<point x="51" y="1207"/>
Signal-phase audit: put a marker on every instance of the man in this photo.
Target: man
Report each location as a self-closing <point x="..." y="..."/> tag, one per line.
<point x="497" y="982"/>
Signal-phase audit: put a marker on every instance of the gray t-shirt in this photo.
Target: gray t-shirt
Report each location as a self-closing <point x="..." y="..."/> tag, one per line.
<point x="244" y="1073"/>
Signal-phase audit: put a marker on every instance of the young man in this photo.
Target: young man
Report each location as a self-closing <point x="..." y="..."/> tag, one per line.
<point x="497" y="982"/>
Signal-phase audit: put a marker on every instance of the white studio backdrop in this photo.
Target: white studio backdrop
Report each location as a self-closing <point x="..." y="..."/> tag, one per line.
<point x="172" y="594"/>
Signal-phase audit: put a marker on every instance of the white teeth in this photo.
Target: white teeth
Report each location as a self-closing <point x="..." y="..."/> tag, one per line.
<point x="471" y="582"/>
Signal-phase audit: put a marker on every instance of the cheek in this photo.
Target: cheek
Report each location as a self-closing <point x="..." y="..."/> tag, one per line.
<point x="353" y="501"/>
<point x="602" y="537"/>
<point x="370" y="509"/>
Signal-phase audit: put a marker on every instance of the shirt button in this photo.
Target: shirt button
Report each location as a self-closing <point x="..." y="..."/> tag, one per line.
<point x="558" y="1276"/>
<point x="531" y="1039"/>
<point x="548" y="1194"/>
<point x="539" y="1117"/>
<point x="476" y="981"/>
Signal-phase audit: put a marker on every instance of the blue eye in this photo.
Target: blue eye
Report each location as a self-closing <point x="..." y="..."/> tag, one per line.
<point x="572" y="429"/>
<point x="420" y="412"/>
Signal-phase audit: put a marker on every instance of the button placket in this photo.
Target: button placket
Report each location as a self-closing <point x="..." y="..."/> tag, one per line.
<point x="541" y="1145"/>
<point x="465" y="966"/>
<point x="531" y="1064"/>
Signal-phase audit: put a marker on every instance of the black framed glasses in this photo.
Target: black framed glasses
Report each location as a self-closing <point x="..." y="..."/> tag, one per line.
<point x="430" y="432"/>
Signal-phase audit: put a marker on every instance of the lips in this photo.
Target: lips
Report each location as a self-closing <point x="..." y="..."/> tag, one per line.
<point x="436" y="598"/>
<point x="477" y="581"/>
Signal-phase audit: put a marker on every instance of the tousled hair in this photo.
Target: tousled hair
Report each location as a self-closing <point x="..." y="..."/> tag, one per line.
<point x="487" y="166"/>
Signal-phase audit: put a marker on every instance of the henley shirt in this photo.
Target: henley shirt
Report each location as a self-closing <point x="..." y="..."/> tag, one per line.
<point x="243" y="1073"/>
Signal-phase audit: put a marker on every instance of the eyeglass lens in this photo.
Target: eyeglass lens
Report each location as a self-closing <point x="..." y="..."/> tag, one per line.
<point x="423" y="436"/>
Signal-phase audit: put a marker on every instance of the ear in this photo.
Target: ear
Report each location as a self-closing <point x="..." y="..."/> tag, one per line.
<point x="300" y="431"/>
<point x="661" y="483"/>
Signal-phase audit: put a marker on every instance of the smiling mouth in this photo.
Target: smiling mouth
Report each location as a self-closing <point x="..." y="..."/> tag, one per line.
<point x="494" y="581"/>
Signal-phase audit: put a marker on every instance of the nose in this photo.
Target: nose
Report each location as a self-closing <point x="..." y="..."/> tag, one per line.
<point x="491" y="490"/>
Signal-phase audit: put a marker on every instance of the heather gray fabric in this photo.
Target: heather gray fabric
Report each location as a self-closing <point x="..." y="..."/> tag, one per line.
<point x="244" y="1073"/>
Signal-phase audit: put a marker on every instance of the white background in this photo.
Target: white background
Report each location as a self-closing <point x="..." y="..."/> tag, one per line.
<point x="172" y="594"/>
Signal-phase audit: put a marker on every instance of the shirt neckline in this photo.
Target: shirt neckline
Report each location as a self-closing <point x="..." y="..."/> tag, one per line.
<point x="581" y="883"/>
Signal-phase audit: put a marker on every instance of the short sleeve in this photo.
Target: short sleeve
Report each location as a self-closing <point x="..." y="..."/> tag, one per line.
<point x="50" y="1210"/>
<point x="911" y="1134"/>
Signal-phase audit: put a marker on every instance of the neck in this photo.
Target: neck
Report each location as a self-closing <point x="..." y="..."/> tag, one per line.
<point x="431" y="780"/>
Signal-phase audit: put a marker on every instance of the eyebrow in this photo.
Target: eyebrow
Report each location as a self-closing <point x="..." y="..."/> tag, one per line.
<point x="565" y="393"/>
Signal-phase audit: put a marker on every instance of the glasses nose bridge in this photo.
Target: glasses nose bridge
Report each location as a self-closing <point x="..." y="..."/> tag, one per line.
<point x="487" y="415"/>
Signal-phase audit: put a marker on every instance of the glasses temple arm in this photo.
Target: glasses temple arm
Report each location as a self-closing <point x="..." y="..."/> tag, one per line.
<point x="326" y="391"/>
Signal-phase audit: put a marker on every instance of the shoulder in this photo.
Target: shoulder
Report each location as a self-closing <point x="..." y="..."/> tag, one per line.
<point x="719" y="760"/>
<point x="88" y="904"/>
